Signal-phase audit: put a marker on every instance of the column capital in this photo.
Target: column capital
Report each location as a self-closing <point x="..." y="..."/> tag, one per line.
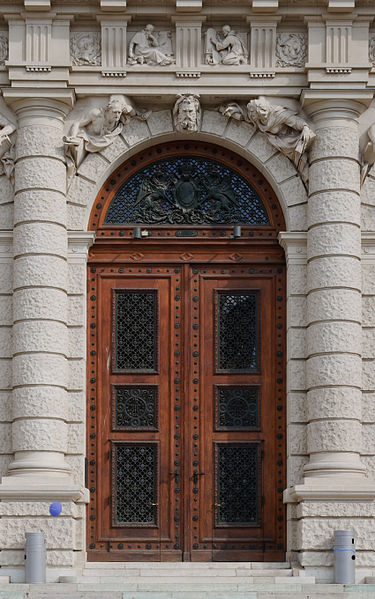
<point x="53" y="99"/>
<point x="336" y="105"/>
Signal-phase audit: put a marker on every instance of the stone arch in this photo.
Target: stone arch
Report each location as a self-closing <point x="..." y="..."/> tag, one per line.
<point x="235" y="135"/>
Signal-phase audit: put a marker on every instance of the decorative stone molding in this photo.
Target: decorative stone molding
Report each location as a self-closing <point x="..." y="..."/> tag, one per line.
<point x="3" y="48"/>
<point x="187" y="113"/>
<point x="263" y="45"/>
<point x="85" y="48"/>
<point x="284" y="129"/>
<point x="147" y="47"/>
<point x="291" y="50"/>
<point x="224" y="47"/>
<point x="113" y="45"/>
<point x="188" y="74"/>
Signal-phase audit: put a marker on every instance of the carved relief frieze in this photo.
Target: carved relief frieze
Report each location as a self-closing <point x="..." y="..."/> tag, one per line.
<point x="371" y="49"/>
<point x="187" y="113"/>
<point x="291" y="50"/>
<point x="8" y="127"/>
<point x="151" y="48"/>
<point x="85" y="48"/>
<point x="224" y="47"/>
<point x="3" y="48"/>
<point x="286" y="130"/>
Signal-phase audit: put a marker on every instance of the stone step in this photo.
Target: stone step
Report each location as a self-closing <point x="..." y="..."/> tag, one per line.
<point x="188" y="572"/>
<point x="194" y="565"/>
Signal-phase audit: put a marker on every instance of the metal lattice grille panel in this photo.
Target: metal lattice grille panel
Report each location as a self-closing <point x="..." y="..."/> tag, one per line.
<point x="237" y="331"/>
<point x="237" y="476"/>
<point x="186" y="190"/>
<point x="135" y="407"/>
<point x="237" y="407"/>
<point x="135" y="330"/>
<point x="135" y="485"/>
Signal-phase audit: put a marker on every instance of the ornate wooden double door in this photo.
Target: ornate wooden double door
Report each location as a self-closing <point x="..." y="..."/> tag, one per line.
<point x="187" y="428"/>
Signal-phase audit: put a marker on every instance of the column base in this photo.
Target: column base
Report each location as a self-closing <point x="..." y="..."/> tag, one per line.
<point x="345" y="488"/>
<point x="42" y="488"/>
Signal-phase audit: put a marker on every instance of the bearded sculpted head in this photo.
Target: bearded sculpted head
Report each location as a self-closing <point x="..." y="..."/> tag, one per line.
<point x="187" y="113"/>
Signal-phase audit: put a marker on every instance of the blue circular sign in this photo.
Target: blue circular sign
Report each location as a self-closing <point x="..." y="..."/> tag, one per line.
<point x="55" y="508"/>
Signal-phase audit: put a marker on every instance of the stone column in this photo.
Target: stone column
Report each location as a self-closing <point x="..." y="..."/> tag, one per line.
<point x="40" y="346"/>
<point x="334" y="365"/>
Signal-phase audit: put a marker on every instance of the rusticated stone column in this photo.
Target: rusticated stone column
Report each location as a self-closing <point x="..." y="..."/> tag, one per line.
<point x="40" y="365"/>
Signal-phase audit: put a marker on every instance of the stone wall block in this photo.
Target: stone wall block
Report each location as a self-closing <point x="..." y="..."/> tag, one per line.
<point x="325" y="558"/>
<point x="38" y="508"/>
<point x="41" y="238"/>
<point x="297" y="439"/>
<point x="368" y="278"/>
<point x="76" y="278"/>
<point x="39" y="435"/>
<point x="45" y="173"/>
<point x="81" y="191"/>
<point x="296" y="465"/>
<point x="333" y="206"/>
<point x="334" y="435"/>
<point x="336" y="369"/>
<point x="5" y="373"/>
<point x="294" y="191"/>
<point x="5" y="406"/>
<point x="42" y="270"/>
<point x="281" y="167"/>
<point x="367" y="218"/>
<point x="213" y="122"/>
<point x="160" y="122"/>
<point x="297" y="407"/>
<point x="76" y="406"/>
<point x="296" y="343"/>
<point x="297" y="279"/>
<point x="368" y="190"/>
<point x="93" y="166"/>
<point x="332" y="239"/>
<point x="239" y="132"/>
<point x="33" y="336"/>
<point x="77" y="466"/>
<point x="368" y="409"/>
<point x="6" y="190"/>
<point x="334" y="174"/>
<point x="326" y="509"/>
<point x="6" y="342"/>
<point x="297" y="216"/>
<point x="40" y="303"/>
<point x="368" y="432"/>
<point x="34" y="141"/>
<point x="337" y="402"/>
<point x="76" y="438"/>
<point x="59" y="532"/>
<point x="6" y="277"/>
<point x="33" y="402"/>
<point x="40" y="205"/>
<point x="114" y="150"/>
<point x="76" y="310"/>
<point x="40" y="369"/>
<point x="77" y="217"/>
<point x="296" y="379"/>
<point x="331" y="142"/>
<point x="368" y="376"/>
<point x="5" y="309"/>
<point x="261" y="148"/>
<point x="334" y="304"/>
<point x="77" y="369"/>
<point x="6" y="437"/>
<point x="135" y="131"/>
<point x="6" y="217"/>
<point x="318" y="533"/>
<point x="333" y="337"/>
<point x="296" y="310"/>
<point x="334" y="271"/>
<point x="76" y="342"/>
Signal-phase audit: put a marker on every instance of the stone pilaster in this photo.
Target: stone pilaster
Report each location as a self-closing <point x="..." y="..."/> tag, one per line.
<point x="40" y="334"/>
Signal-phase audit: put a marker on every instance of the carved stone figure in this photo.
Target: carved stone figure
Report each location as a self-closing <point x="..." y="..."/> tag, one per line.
<point x="284" y="129"/>
<point x="3" y="48"/>
<point x="85" y="48"/>
<point x="291" y="49"/>
<point x="187" y="113"/>
<point x="368" y="154"/>
<point x="225" y="47"/>
<point x="97" y="129"/>
<point x="371" y="50"/>
<point x="145" y="47"/>
<point x="6" y="148"/>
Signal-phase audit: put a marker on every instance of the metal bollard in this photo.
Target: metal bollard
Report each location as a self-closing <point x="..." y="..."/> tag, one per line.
<point x="344" y="552"/>
<point x="35" y="556"/>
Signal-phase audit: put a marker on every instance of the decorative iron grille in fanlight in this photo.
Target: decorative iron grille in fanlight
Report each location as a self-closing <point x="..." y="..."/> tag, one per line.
<point x="186" y="190"/>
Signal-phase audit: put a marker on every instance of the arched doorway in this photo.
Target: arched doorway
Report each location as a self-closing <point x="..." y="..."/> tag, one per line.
<point x="186" y="377"/>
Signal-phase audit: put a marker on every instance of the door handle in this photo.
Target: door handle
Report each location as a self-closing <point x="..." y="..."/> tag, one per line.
<point x="195" y="476"/>
<point x="176" y="475"/>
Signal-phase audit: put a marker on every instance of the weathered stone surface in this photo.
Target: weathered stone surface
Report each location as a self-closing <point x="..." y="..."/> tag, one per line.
<point x="297" y="407"/>
<point x="368" y="407"/>
<point x="45" y="173"/>
<point x="334" y="337"/>
<point x="295" y="471"/>
<point x="40" y="238"/>
<point x="34" y="402"/>
<point x="281" y="167"/>
<point x="368" y="190"/>
<point x="322" y="509"/>
<point x="296" y="343"/>
<point x="333" y="206"/>
<point x="76" y="310"/>
<point x="296" y="307"/>
<point x="6" y="276"/>
<point x="76" y="342"/>
<point x="6" y="217"/>
<point x="160" y="122"/>
<point x="294" y="191"/>
<point x="40" y="303"/>
<point x="40" y="270"/>
<point x="38" y="434"/>
<point x="335" y="142"/>
<point x="5" y="310"/>
<point x="335" y="174"/>
<point x="5" y="373"/>
<point x="45" y="336"/>
<point x="6" y="437"/>
<point x="40" y="205"/>
<point x="76" y="438"/>
<point x="40" y="369"/>
<point x="368" y="278"/>
<point x="34" y="141"/>
<point x="59" y="532"/>
<point x="368" y="311"/>
<point x="135" y="132"/>
<point x="297" y="439"/>
<point x="6" y="190"/>
<point x="77" y="374"/>
<point x="318" y="533"/>
<point x="93" y="167"/>
<point x="6" y="342"/>
<point x="297" y="217"/>
<point x="368" y="376"/>
<point x="5" y="460"/>
<point x="76" y="278"/>
<point x="368" y="431"/>
<point x="336" y="369"/>
<point x="239" y="132"/>
<point x="334" y="304"/>
<point x="81" y="191"/>
<point x="260" y="147"/>
<point x="77" y="217"/>
<point x="76" y="406"/>
<point x="77" y="465"/>
<point x="213" y="122"/>
<point x="334" y="271"/>
<point x="38" y="508"/>
<point x="325" y="558"/>
<point x="334" y="402"/>
<point x="330" y="239"/>
<point x="5" y="406"/>
<point x="296" y="379"/>
<point x="367" y="218"/>
<point x="115" y="149"/>
<point x="334" y="435"/>
<point x="297" y="279"/>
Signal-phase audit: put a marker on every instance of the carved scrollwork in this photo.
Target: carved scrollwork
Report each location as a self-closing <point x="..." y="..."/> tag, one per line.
<point x="85" y="48"/>
<point x="291" y="50"/>
<point x="3" y="48"/>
